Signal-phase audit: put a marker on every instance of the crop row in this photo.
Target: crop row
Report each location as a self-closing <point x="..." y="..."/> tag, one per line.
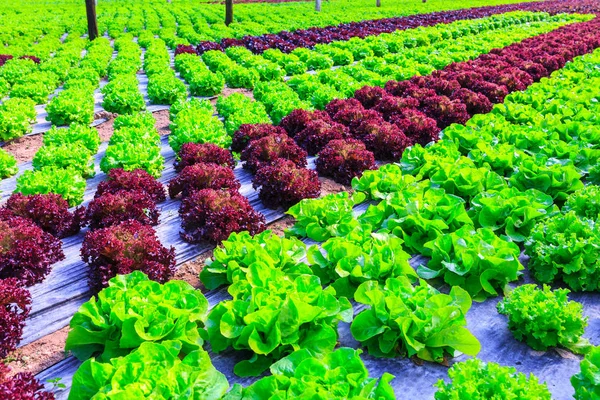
<point x="378" y="59"/>
<point x="308" y="38"/>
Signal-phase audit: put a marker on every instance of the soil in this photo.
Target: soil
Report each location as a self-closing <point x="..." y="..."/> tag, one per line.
<point x="228" y="91"/>
<point x="278" y="227"/>
<point x="106" y="129"/>
<point x="39" y="355"/>
<point x="162" y="122"/>
<point x="190" y="271"/>
<point x="329" y="186"/>
<point x="24" y="148"/>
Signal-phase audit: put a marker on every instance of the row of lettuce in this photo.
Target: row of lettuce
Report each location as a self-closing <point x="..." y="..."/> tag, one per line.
<point x="373" y="60"/>
<point x="565" y="43"/>
<point x="456" y="201"/>
<point x="380" y="58"/>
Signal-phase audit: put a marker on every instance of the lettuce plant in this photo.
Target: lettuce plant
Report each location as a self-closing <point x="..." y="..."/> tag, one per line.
<point x="476" y="260"/>
<point x="299" y="119"/>
<point x="111" y="209"/>
<point x="408" y="320"/>
<point x="122" y="95"/>
<point x="48" y="211"/>
<point x="15" y="305"/>
<point x="262" y="152"/>
<point x="73" y="155"/>
<point x="463" y="179"/>
<point x="545" y="318"/>
<point x="131" y="156"/>
<point x="320" y="219"/>
<point x="230" y="261"/>
<point x="418" y="215"/>
<point x="8" y="164"/>
<point x="565" y="247"/>
<point x="121" y="249"/>
<point x="134" y="310"/>
<point x="340" y="373"/>
<point x="385" y="140"/>
<point x="65" y="182"/>
<point x="207" y="153"/>
<point x="164" y="367"/>
<point x="475" y="379"/>
<point x="22" y="386"/>
<point x="195" y="123"/>
<point x="346" y="262"/>
<point x="76" y="133"/>
<point x="554" y="179"/>
<point x="344" y="160"/>
<point x="213" y="215"/>
<point x="246" y="133"/>
<point x="510" y="212"/>
<point x="584" y="202"/>
<point x="138" y="120"/>
<point x="283" y="184"/>
<point x="165" y="88"/>
<point x="586" y="383"/>
<point x="203" y="176"/>
<point x="272" y="314"/>
<point x="137" y="180"/>
<point x="318" y="134"/>
<point x="27" y="252"/>
<point x="379" y="183"/>
<point x="71" y="106"/>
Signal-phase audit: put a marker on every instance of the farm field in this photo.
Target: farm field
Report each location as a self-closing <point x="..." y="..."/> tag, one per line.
<point x="372" y="201"/>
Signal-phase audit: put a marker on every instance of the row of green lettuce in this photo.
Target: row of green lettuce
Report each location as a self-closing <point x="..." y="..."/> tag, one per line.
<point x="465" y="209"/>
<point x="75" y="105"/>
<point x="372" y="61"/>
<point x="278" y="99"/>
<point x="141" y="338"/>
<point x="78" y="76"/>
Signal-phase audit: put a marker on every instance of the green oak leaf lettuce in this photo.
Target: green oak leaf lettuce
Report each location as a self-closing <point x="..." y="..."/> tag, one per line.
<point x="544" y="318"/>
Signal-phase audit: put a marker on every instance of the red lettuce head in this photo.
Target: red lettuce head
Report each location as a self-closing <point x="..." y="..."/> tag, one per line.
<point x="124" y="248"/>
<point x="476" y="103"/>
<point x="15" y="304"/>
<point x="112" y="209"/>
<point x="212" y="215"/>
<point x="26" y="251"/>
<point x="337" y="105"/>
<point x="206" y="153"/>
<point x="342" y="160"/>
<point x="318" y="133"/>
<point x="203" y="176"/>
<point x="417" y="127"/>
<point x="299" y="119"/>
<point x="48" y="211"/>
<point x="385" y="140"/>
<point x="22" y="386"/>
<point x="369" y="96"/>
<point x="445" y="111"/>
<point x="283" y="184"/>
<point x="396" y="88"/>
<point x="184" y="49"/>
<point x="392" y="105"/>
<point x="119" y="180"/>
<point x="249" y="132"/>
<point x="264" y="151"/>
